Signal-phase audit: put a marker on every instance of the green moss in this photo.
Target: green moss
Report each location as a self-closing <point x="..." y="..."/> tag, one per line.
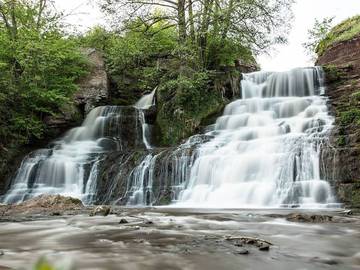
<point x="184" y="103"/>
<point x="355" y="96"/>
<point x="350" y="116"/>
<point x="341" y="141"/>
<point x="333" y="73"/>
<point x="346" y="30"/>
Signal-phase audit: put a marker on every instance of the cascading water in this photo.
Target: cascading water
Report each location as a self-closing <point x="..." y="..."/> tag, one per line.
<point x="70" y="167"/>
<point x="263" y="152"/>
<point x="145" y="103"/>
<point x="266" y="147"/>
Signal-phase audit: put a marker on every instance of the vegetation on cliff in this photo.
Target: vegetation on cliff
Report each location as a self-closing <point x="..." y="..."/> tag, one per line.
<point x="38" y="70"/>
<point x="323" y="35"/>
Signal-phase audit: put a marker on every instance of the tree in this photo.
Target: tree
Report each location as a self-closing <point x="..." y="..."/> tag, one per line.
<point x="256" y="24"/>
<point x="316" y="34"/>
<point x="38" y="68"/>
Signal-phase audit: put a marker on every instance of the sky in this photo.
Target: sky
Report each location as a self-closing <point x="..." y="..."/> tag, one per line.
<point x="291" y="55"/>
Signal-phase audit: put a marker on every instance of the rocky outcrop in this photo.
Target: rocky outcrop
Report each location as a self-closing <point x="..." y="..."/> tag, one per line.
<point x="94" y="88"/>
<point x="341" y="155"/>
<point x="342" y="54"/>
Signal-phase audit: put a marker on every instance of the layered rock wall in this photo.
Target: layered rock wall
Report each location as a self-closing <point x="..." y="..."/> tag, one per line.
<point x="341" y="155"/>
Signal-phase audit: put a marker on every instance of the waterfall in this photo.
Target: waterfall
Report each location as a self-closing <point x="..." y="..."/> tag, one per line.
<point x="71" y="165"/>
<point x="262" y="152"/>
<point x="266" y="146"/>
<point x="145" y="103"/>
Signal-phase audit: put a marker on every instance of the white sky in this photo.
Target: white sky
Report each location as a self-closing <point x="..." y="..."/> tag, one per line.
<point x="292" y="55"/>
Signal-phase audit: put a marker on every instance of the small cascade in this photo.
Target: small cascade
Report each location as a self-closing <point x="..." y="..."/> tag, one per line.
<point x="266" y="148"/>
<point x="144" y="103"/>
<point x="71" y="165"/>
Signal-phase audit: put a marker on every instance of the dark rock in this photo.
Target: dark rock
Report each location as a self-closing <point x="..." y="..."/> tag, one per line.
<point x="123" y="221"/>
<point x="242" y="252"/>
<point x="264" y="247"/>
<point x="148" y="222"/>
<point x="2" y="253"/>
<point x="102" y="210"/>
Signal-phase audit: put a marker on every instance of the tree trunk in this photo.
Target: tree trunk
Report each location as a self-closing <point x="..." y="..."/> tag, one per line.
<point x="191" y="21"/>
<point x="181" y="21"/>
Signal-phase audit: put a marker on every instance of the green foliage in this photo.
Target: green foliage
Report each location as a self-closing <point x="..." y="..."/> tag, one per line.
<point x="39" y="69"/>
<point x="346" y="30"/>
<point x="341" y="141"/>
<point x="186" y="101"/>
<point x="224" y="52"/>
<point x="43" y="264"/>
<point x="317" y="33"/>
<point x="350" y="116"/>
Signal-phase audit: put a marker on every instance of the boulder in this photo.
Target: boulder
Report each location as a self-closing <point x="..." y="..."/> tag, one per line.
<point x="101" y="210"/>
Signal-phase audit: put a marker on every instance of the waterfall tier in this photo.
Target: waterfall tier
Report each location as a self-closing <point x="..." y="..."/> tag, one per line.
<point x="71" y="164"/>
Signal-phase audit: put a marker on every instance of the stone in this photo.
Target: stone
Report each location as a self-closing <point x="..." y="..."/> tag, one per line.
<point x="102" y="210"/>
<point x="2" y="253"/>
<point x="94" y="88"/>
<point x="242" y="252"/>
<point x="52" y="202"/>
<point x="123" y="221"/>
<point x="305" y="218"/>
<point x="264" y="247"/>
<point x="148" y="222"/>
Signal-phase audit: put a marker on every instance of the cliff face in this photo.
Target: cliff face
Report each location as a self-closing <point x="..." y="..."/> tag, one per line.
<point x="341" y="155"/>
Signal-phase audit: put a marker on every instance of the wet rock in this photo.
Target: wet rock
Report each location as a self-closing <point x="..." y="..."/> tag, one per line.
<point x="123" y="221"/>
<point x="2" y="253"/>
<point x="101" y="210"/>
<point x="264" y="247"/>
<point x="305" y="218"/>
<point x="242" y="252"/>
<point x="148" y="222"/>
<point x="328" y="261"/>
<point x="55" y="213"/>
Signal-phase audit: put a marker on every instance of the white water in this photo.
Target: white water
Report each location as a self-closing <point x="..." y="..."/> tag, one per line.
<point x="266" y="147"/>
<point x="71" y="166"/>
<point x="144" y="103"/>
